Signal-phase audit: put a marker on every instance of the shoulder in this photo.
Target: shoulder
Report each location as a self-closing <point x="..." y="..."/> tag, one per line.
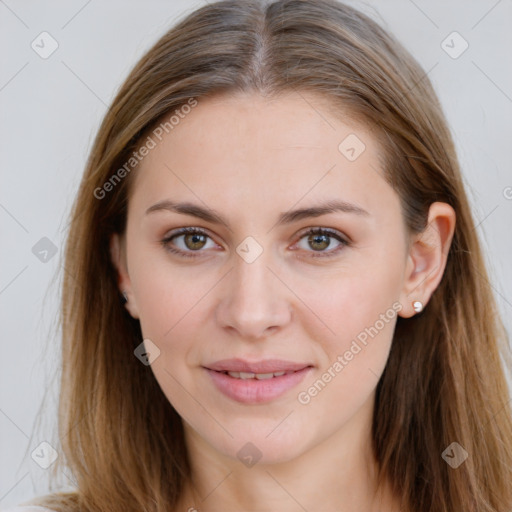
<point x="27" y="508"/>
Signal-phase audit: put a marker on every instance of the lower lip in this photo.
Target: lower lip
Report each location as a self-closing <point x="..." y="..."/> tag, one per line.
<point x="254" y="391"/>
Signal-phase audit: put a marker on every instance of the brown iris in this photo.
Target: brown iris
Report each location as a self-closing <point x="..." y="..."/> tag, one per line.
<point x="318" y="241"/>
<point x="197" y="240"/>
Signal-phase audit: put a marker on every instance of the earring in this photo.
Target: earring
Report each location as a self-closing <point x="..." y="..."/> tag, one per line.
<point x="125" y="298"/>
<point x="418" y="306"/>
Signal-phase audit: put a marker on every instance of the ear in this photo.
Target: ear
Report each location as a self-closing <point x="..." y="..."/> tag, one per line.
<point x="118" y="256"/>
<point x="427" y="258"/>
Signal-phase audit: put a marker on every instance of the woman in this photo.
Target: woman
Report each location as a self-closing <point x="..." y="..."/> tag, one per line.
<point x="306" y="321"/>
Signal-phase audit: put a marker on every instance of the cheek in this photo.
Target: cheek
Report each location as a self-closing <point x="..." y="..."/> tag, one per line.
<point x="352" y="360"/>
<point x="171" y="313"/>
<point x="168" y="296"/>
<point x="359" y="310"/>
<point x="353" y="300"/>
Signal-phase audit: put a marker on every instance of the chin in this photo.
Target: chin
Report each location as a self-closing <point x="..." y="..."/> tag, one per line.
<point x="266" y="442"/>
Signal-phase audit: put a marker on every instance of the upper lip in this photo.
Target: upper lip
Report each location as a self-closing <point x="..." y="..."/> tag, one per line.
<point x="266" y="366"/>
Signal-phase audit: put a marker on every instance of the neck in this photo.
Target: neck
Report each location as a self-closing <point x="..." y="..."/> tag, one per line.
<point x="337" y="475"/>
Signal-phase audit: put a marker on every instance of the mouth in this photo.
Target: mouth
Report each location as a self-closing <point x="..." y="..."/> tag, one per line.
<point x="254" y="383"/>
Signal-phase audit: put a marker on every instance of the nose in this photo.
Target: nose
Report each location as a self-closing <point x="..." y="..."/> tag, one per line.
<point x="255" y="302"/>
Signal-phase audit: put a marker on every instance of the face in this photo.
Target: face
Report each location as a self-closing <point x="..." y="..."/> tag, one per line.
<point x="267" y="279"/>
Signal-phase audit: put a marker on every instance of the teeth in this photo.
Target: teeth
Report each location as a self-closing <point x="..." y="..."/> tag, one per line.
<point x="263" y="376"/>
<point x="258" y="376"/>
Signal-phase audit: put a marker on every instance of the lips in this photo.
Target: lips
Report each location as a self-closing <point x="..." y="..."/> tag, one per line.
<point x="258" y="382"/>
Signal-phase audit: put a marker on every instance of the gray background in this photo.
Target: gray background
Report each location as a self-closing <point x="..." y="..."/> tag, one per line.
<point x="51" y="108"/>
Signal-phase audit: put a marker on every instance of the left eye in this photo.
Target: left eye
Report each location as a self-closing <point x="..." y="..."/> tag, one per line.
<point x="321" y="239"/>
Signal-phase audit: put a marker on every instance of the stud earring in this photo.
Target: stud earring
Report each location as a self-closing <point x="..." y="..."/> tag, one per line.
<point x="125" y="298"/>
<point x="418" y="306"/>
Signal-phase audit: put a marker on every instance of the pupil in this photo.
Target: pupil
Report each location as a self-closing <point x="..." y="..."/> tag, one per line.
<point x="323" y="240"/>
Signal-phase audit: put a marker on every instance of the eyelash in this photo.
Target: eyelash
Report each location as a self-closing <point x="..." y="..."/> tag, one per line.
<point x="315" y="254"/>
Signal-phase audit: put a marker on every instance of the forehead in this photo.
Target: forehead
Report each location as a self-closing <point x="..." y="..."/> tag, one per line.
<point x="251" y="150"/>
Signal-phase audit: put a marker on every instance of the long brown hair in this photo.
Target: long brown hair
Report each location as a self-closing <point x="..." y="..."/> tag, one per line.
<point x="444" y="381"/>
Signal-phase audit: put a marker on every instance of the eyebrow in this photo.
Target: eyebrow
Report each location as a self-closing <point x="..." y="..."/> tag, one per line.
<point x="288" y="217"/>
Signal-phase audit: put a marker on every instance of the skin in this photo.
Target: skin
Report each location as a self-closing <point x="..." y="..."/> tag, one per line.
<point x="249" y="159"/>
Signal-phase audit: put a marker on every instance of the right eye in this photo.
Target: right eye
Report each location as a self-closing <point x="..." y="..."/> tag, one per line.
<point x="187" y="241"/>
